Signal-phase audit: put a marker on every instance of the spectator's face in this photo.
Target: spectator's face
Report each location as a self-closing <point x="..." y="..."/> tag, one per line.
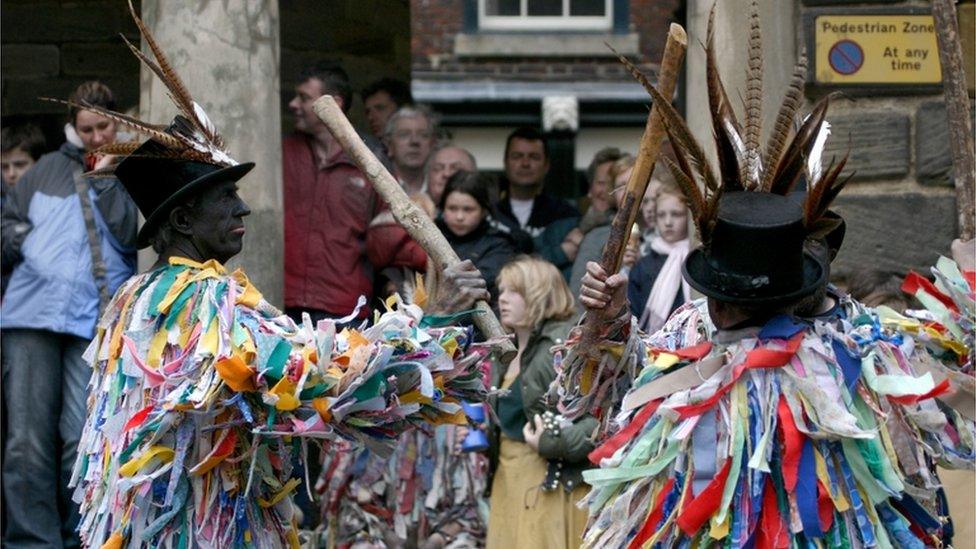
<point x="526" y="163"/>
<point x="217" y="222"/>
<point x="672" y="218"/>
<point x="443" y="164"/>
<point x="462" y="213"/>
<point x="14" y="164"/>
<point x="649" y="203"/>
<point x="379" y="107"/>
<point x="94" y="129"/>
<point x="410" y="142"/>
<point x="620" y="187"/>
<point x="306" y="93"/>
<point x="511" y="308"/>
<point x="600" y="187"/>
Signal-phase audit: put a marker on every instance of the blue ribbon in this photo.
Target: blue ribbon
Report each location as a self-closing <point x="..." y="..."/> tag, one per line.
<point x="849" y="365"/>
<point x="782" y="327"/>
<point x="806" y="492"/>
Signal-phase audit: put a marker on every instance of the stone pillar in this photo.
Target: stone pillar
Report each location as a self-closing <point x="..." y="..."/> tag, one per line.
<point x="227" y="54"/>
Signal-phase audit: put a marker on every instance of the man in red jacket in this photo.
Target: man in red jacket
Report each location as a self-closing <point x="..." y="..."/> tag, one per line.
<point x="328" y="206"/>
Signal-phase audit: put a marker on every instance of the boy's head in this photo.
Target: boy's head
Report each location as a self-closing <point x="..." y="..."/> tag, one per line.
<point x="20" y="147"/>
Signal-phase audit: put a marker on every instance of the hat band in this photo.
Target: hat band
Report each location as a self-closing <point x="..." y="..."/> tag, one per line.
<point x="740" y="283"/>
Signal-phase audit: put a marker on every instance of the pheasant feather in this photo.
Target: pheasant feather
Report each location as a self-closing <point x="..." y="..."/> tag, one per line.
<point x="754" y="99"/>
<point x="126" y="120"/>
<point x="680" y="135"/>
<point x="784" y="120"/>
<point x="728" y="133"/>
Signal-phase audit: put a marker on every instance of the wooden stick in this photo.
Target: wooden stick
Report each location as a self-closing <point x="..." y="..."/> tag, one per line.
<point x="957" y="110"/>
<point x="420" y="227"/>
<point x="647" y="152"/>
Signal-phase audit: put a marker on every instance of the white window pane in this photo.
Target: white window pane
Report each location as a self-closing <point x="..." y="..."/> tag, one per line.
<point x="502" y="7"/>
<point x="545" y="7"/>
<point x="588" y="7"/>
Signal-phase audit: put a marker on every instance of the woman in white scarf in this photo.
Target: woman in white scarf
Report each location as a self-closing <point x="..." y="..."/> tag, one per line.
<point x="661" y="269"/>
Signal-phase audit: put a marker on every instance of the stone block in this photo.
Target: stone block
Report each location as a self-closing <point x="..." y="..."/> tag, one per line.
<point x="895" y="232"/>
<point x="878" y="142"/>
<point x="21" y="96"/>
<point x="95" y="21"/>
<point x="47" y="21"/>
<point x="99" y="59"/>
<point x="30" y="22"/>
<point x="933" y="159"/>
<point x="21" y="61"/>
<point x="305" y="25"/>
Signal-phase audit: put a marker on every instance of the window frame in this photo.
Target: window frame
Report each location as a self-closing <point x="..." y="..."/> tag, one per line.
<point x="565" y="22"/>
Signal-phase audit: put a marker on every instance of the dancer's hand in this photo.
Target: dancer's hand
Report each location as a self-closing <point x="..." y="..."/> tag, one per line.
<point x="459" y="287"/>
<point x="599" y="291"/>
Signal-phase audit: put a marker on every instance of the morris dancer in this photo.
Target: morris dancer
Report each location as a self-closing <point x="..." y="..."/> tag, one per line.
<point x="202" y="392"/>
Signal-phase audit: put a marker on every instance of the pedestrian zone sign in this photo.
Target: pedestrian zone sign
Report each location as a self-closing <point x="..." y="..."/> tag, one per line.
<point x="876" y="49"/>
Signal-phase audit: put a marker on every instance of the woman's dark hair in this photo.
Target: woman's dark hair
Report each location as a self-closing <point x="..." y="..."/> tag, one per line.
<point x="470" y="183"/>
<point x="92" y="93"/>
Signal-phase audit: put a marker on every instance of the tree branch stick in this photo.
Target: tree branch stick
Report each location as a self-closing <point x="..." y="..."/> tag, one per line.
<point x="957" y="110"/>
<point x="420" y="227"/>
<point x="650" y="145"/>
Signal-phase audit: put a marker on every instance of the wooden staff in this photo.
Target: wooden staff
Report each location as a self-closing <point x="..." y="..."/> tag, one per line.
<point x="420" y="227"/>
<point x="957" y="110"/>
<point x="650" y="144"/>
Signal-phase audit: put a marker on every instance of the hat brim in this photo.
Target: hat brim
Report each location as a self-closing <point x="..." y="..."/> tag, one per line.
<point x="230" y="173"/>
<point x="700" y="275"/>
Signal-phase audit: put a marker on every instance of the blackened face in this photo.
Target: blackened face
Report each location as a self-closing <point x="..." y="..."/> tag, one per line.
<point x="217" y="222"/>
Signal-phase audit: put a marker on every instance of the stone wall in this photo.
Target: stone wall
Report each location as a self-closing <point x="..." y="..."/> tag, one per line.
<point x="50" y="46"/>
<point x="900" y="205"/>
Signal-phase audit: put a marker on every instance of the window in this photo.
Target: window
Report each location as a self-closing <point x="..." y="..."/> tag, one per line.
<point x="594" y="15"/>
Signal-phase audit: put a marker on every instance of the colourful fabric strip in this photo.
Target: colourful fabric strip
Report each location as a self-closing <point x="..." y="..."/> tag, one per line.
<point x="623" y="436"/>
<point x="705" y="504"/>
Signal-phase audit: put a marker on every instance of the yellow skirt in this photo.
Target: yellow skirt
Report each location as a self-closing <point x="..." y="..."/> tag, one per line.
<point x="522" y="515"/>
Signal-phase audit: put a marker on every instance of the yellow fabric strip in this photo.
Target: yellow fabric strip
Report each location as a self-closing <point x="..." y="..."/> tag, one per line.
<point x="131" y="467"/>
<point x="285" y="490"/>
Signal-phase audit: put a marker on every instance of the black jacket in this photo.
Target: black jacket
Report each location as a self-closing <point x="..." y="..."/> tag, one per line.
<point x="642" y="278"/>
<point x="549" y="223"/>
<point x="486" y="247"/>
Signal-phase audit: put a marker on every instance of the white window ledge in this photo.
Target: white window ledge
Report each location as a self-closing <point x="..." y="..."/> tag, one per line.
<point x="563" y="44"/>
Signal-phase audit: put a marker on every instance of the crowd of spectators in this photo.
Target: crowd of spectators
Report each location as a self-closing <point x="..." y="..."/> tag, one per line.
<point x="69" y="241"/>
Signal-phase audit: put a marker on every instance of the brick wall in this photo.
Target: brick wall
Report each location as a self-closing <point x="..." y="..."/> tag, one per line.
<point x="435" y="23"/>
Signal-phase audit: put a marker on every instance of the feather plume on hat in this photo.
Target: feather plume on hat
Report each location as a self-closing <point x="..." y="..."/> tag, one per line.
<point x="794" y="149"/>
<point x="192" y="136"/>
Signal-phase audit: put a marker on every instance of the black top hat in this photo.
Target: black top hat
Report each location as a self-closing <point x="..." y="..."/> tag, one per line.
<point x="158" y="183"/>
<point x="756" y="253"/>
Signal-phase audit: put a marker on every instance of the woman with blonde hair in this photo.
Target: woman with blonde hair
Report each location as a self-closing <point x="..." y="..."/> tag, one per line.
<point x="536" y="457"/>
